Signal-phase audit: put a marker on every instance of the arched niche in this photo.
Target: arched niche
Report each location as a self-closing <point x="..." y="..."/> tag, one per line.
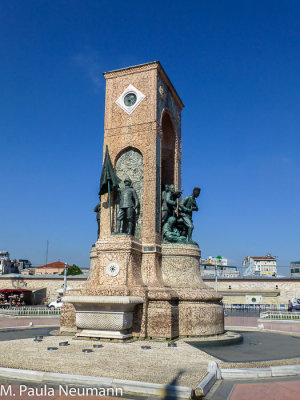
<point x="129" y="164"/>
<point x="168" y="149"/>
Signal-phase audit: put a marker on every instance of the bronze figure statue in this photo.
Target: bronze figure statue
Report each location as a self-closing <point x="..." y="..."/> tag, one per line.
<point x="128" y="206"/>
<point x="169" y="203"/>
<point x="97" y="210"/>
<point x="170" y="232"/>
<point x="186" y="207"/>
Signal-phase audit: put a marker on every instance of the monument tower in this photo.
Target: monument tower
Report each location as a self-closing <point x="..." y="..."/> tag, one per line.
<point x="143" y="134"/>
<point x="152" y="286"/>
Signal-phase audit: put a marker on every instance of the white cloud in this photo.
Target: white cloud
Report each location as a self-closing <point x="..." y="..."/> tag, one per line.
<point x="89" y="60"/>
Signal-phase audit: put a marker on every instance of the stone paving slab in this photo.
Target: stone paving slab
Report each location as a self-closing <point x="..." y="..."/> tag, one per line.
<point x="274" y="391"/>
<point x="260" y="389"/>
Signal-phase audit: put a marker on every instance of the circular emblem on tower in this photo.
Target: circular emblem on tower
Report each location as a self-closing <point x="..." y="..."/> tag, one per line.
<point x="112" y="269"/>
<point x="130" y="99"/>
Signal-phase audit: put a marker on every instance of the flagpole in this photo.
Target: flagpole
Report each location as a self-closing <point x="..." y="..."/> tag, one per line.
<point x="109" y="204"/>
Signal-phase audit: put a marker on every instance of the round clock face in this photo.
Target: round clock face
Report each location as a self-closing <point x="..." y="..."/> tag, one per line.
<point x="130" y="99"/>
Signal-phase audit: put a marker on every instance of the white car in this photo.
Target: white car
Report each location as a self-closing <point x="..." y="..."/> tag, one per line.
<point x="55" y="304"/>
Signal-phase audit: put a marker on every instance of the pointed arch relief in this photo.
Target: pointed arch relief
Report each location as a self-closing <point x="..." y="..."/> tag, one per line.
<point x="129" y="164"/>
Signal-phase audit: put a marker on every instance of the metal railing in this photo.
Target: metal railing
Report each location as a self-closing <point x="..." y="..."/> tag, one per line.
<point x="27" y="310"/>
<point x="280" y="315"/>
<point x="253" y="307"/>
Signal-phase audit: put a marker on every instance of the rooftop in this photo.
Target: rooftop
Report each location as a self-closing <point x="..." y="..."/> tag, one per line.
<point x="56" y="264"/>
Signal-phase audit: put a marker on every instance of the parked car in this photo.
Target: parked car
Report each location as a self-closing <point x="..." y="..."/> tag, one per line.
<point x="55" y="304"/>
<point x="296" y="304"/>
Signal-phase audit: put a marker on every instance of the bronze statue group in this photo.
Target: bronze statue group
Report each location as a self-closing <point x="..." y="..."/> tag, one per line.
<point x="176" y="219"/>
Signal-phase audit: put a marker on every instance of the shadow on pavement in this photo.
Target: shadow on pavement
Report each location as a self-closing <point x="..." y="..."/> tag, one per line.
<point x="171" y="392"/>
<point x="256" y="346"/>
<point x="14" y="334"/>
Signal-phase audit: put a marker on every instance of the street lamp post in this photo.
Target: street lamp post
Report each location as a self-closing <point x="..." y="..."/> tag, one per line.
<point x="65" y="277"/>
<point x="216" y="271"/>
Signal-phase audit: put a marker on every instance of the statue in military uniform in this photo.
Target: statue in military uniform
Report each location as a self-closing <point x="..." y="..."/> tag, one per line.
<point x="97" y="210"/>
<point x="187" y="206"/>
<point x="128" y="204"/>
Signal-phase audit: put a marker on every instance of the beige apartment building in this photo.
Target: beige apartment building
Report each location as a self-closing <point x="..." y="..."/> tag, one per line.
<point x="260" y="265"/>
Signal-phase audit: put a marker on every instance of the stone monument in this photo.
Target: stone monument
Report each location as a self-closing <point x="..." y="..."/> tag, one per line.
<point x="145" y="278"/>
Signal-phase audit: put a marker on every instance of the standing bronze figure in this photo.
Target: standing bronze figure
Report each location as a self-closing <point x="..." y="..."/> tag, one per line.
<point x="128" y="205"/>
<point x="187" y="206"/>
<point x="169" y="203"/>
<point x="97" y="210"/>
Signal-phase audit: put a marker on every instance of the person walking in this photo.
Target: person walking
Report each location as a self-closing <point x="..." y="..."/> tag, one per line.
<point x="290" y="306"/>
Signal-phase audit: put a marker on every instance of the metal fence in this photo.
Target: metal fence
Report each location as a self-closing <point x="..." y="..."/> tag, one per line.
<point x="253" y="307"/>
<point x="23" y="311"/>
<point x="280" y="315"/>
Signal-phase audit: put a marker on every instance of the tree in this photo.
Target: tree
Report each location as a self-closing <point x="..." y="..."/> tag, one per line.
<point x="73" y="270"/>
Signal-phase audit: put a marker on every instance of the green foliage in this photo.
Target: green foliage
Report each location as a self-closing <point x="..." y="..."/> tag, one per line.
<point x="73" y="270"/>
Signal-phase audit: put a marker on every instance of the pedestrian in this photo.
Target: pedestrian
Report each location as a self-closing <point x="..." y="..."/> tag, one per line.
<point x="290" y="306"/>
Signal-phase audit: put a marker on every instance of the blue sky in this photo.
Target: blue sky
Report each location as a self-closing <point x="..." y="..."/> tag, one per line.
<point x="235" y="65"/>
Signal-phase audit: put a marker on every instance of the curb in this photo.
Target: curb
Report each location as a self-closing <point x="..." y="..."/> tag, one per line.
<point x="240" y="328"/>
<point x="15" y="328"/>
<point x="209" y="380"/>
<point x="252" y="328"/>
<point x="215" y="373"/>
<point x="252" y="373"/>
<point x="129" y="387"/>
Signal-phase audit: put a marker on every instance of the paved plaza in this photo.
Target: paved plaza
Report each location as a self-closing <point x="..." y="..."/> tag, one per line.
<point x="159" y="364"/>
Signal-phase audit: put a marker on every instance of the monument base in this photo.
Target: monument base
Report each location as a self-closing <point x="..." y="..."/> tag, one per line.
<point x="104" y="316"/>
<point x="101" y="334"/>
<point x="182" y="306"/>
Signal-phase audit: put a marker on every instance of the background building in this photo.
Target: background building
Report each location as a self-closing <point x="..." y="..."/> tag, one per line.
<point x="5" y="263"/>
<point x="219" y="260"/>
<point x="24" y="264"/>
<point x="208" y="267"/>
<point x="56" y="267"/>
<point x="295" y="268"/>
<point x="260" y="266"/>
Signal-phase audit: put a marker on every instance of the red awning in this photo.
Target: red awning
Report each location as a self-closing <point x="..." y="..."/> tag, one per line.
<point x="14" y="290"/>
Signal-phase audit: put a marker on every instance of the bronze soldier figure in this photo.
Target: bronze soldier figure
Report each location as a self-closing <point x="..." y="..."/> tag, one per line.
<point x="128" y="204"/>
<point x="97" y="210"/>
